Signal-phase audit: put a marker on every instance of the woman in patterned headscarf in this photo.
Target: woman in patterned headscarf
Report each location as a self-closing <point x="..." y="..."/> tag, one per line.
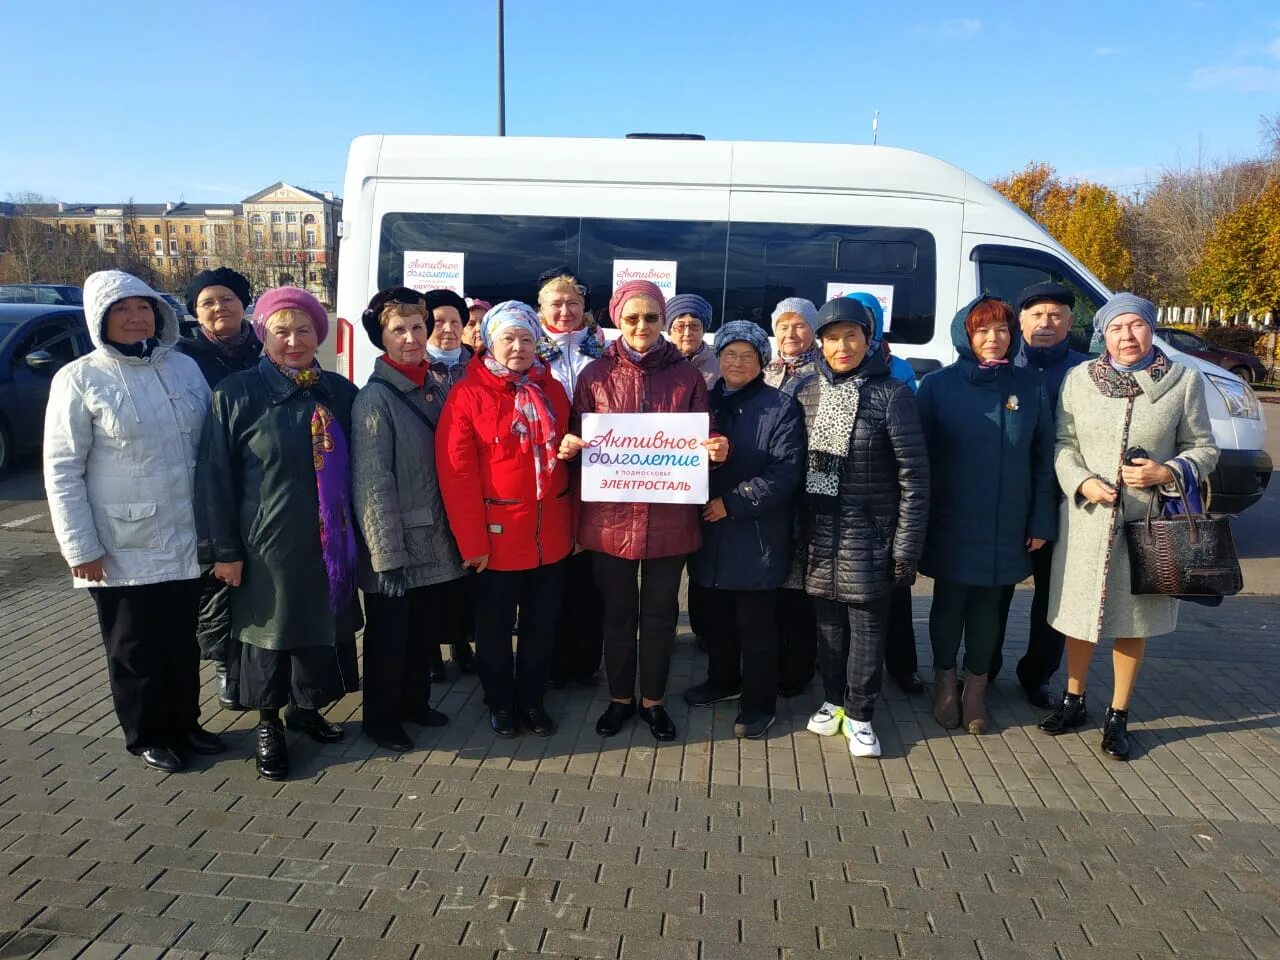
<point x="273" y="487"/>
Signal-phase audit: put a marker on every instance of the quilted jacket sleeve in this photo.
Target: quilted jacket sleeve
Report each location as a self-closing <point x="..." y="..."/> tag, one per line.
<point x="906" y="435"/>
<point x="68" y="436"/>
<point x="373" y="479"/>
<point x="458" y="463"/>
<point x="778" y="480"/>
<point x="217" y="483"/>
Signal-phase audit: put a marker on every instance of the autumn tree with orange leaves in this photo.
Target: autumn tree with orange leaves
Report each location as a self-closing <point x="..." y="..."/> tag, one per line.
<point x="1086" y="218"/>
<point x="1239" y="267"/>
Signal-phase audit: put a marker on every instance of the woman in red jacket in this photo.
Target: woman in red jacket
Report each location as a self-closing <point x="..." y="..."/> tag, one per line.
<point x="640" y="372"/>
<point x="507" y="499"/>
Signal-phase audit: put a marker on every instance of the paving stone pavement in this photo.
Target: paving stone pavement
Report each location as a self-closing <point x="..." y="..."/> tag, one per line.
<point x="1013" y="845"/>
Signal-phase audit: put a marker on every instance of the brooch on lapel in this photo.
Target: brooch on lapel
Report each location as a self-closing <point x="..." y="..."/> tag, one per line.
<point x="1012" y="402"/>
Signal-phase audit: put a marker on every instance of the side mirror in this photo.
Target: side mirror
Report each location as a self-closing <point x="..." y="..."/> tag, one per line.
<point x="42" y="361"/>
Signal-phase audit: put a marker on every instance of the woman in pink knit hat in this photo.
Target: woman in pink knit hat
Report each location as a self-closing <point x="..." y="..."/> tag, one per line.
<point x="640" y="372"/>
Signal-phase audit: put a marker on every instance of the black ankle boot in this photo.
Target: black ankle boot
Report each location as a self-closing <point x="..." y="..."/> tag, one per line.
<point x="1069" y="715"/>
<point x="1115" y="734"/>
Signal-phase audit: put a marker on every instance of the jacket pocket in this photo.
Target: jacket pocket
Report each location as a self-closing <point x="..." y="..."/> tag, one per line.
<point x="133" y="526"/>
<point x="419" y="535"/>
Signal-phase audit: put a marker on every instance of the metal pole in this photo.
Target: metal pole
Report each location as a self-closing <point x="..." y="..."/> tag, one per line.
<point x="502" y="76"/>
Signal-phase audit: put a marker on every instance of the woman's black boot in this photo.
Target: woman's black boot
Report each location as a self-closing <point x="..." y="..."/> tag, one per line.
<point x="1069" y="715"/>
<point x="1115" y="734"/>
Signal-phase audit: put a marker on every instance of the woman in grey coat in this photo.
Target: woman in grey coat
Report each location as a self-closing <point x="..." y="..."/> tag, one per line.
<point x="413" y="559"/>
<point x="1126" y="422"/>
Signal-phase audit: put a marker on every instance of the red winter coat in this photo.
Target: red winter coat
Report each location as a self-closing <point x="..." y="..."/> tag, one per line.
<point x="663" y="381"/>
<point x="487" y="481"/>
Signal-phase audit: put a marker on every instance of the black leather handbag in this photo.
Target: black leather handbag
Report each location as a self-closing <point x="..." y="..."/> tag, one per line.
<point x="1190" y="555"/>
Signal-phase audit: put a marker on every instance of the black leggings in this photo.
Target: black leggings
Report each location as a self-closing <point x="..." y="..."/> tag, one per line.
<point x="962" y="612"/>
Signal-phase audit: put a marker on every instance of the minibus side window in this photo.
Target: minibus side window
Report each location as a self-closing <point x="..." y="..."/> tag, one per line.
<point x="1004" y="271"/>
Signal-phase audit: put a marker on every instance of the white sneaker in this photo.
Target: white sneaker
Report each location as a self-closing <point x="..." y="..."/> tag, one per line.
<point x="863" y="741"/>
<point x="826" y="721"/>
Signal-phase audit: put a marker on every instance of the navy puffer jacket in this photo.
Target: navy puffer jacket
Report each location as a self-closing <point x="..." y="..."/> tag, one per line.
<point x="750" y="549"/>
<point x="880" y="513"/>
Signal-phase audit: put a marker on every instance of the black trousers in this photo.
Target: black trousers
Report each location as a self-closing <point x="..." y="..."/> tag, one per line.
<point x="153" y="660"/>
<point x="968" y="614"/>
<point x="1044" y="644"/>
<point x="900" y="647"/>
<point x="579" y="636"/>
<point x="697" y="608"/>
<point x="796" y="626"/>
<point x="742" y="646"/>
<point x="451" y="621"/>
<point x="397" y="661"/>
<point x="851" y="639"/>
<point x="639" y="621"/>
<point x="213" y="630"/>
<point x="531" y="600"/>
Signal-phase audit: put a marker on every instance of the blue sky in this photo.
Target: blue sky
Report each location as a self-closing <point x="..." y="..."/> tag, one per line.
<point x="212" y="101"/>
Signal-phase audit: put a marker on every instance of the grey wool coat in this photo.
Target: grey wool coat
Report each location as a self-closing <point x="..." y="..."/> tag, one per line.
<point x="1089" y="590"/>
<point x="396" y="496"/>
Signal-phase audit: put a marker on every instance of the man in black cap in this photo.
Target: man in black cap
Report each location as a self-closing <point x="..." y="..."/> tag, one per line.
<point x="1045" y="315"/>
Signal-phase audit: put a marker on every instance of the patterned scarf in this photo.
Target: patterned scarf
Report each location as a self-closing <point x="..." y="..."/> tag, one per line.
<point x="532" y="420"/>
<point x="588" y="346"/>
<point x="231" y="343"/>
<point x="780" y="363"/>
<point x="831" y="433"/>
<point x="1117" y="383"/>
<point x="331" y="460"/>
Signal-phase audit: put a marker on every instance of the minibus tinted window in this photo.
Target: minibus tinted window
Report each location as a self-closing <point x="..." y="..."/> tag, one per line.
<point x="1004" y="271"/>
<point x="743" y="269"/>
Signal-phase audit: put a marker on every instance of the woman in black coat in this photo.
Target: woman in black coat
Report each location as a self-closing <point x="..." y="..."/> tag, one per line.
<point x="746" y="530"/>
<point x="867" y="506"/>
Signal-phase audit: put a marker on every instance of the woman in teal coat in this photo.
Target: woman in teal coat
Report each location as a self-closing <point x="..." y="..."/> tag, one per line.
<point x="990" y="435"/>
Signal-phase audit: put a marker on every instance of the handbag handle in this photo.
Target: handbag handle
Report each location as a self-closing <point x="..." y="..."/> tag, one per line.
<point x="1194" y="531"/>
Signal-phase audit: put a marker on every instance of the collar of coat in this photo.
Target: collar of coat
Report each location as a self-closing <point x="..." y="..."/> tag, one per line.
<point x="717" y="396"/>
<point x="664" y="354"/>
<point x="281" y="388"/>
<point x="874" y="365"/>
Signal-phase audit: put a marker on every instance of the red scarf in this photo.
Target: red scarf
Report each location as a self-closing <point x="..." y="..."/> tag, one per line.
<point x="416" y="372"/>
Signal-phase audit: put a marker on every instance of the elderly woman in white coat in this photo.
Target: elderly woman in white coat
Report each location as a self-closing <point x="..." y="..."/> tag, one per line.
<point x="1126" y="422"/>
<point x="120" y="438"/>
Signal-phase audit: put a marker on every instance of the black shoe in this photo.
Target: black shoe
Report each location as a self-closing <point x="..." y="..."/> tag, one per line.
<point x="273" y="757"/>
<point x="464" y="657"/>
<point x="537" y="721"/>
<point x="614" y="718"/>
<point x="1115" y="734"/>
<point x="706" y="693"/>
<point x="1039" y="696"/>
<point x="659" y="722"/>
<point x="204" y="742"/>
<point x="225" y="700"/>
<point x="438" y="673"/>
<point x="393" y="739"/>
<point x="908" y="682"/>
<point x="1069" y="715"/>
<point x="430" y="717"/>
<point x="162" y="758"/>
<point x="752" y="728"/>
<point x="504" y="723"/>
<point x="313" y="725"/>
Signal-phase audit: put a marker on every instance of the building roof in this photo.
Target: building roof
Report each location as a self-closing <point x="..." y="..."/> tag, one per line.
<point x="316" y="194"/>
<point x="150" y="210"/>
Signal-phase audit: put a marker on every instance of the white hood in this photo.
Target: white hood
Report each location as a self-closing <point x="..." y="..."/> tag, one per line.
<point x="105" y="287"/>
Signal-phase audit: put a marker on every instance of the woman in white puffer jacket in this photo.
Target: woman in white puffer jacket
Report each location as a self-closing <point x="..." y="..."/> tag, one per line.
<point x="120" y="438"/>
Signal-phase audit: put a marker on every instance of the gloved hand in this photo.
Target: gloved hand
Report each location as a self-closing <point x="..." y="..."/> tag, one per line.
<point x="393" y="583"/>
<point x="904" y="573"/>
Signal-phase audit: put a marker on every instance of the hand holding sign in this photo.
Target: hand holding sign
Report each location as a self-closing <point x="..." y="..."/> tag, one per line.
<point x="717" y="448"/>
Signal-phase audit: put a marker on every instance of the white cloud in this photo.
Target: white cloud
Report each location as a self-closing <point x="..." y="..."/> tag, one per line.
<point x="1246" y="78"/>
<point x="956" y="30"/>
<point x="1106" y="51"/>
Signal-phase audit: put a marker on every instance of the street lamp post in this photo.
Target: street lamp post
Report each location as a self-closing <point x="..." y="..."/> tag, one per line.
<point x="502" y="76"/>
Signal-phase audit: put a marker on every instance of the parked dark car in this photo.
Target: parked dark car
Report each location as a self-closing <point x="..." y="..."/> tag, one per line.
<point x="35" y="341"/>
<point x="54" y="293"/>
<point x="1246" y="366"/>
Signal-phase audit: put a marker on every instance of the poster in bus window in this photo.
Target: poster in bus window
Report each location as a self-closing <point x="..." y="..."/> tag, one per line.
<point x="434" y="270"/>
<point x="881" y="291"/>
<point x="662" y="273"/>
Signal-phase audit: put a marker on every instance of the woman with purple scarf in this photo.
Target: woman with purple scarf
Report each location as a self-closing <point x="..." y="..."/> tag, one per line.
<point x="274" y="514"/>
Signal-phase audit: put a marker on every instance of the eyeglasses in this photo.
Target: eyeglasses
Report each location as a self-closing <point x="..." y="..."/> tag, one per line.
<point x="738" y="359"/>
<point x="219" y="302"/>
<point x="686" y="328"/>
<point x="642" y="318"/>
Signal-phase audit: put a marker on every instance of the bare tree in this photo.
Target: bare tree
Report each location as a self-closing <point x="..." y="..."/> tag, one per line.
<point x="29" y="245"/>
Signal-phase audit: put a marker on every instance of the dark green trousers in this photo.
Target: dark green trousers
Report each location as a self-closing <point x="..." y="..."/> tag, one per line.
<point x="964" y="613"/>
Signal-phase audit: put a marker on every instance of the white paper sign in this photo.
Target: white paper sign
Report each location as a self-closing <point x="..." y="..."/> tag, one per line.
<point x="433" y="270"/>
<point x="881" y="291"/>
<point x="662" y="273"/>
<point x="645" y="457"/>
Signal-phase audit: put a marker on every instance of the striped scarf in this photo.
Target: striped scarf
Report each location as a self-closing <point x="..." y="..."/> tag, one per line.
<point x="532" y="420"/>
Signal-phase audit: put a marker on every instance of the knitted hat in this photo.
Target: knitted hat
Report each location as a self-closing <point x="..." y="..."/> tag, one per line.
<point x="747" y="332"/>
<point x="221" y="277"/>
<point x="447" y="298"/>
<point x="371" y="319"/>
<point x="844" y="310"/>
<point x="484" y="305"/>
<point x="637" y="288"/>
<point x="289" y="298"/>
<point x="509" y="313"/>
<point x="1121" y="303"/>
<point x="798" y="305"/>
<point x="688" y="303"/>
